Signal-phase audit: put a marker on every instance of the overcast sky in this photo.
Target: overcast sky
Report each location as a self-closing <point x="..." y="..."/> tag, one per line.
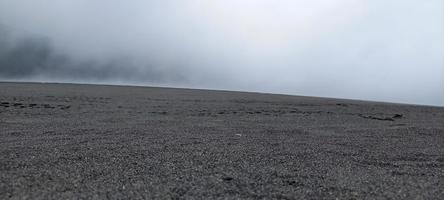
<point x="385" y="50"/>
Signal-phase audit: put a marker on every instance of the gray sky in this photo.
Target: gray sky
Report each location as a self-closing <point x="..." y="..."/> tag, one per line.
<point x="361" y="49"/>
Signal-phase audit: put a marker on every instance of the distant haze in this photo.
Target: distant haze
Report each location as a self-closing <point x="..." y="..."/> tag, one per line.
<point x="359" y="49"/>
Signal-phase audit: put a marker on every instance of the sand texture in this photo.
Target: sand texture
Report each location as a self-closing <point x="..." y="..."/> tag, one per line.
<point x="66" y="141"/>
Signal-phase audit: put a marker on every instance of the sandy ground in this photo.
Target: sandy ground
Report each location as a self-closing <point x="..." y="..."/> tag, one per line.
<point x="63" y="141"/>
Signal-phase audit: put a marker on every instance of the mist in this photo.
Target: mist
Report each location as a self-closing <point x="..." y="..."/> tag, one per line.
<point x="358" y="49"/>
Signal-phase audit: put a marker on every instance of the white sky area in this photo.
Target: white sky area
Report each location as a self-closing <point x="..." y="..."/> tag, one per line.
<point x="384" y="50"/>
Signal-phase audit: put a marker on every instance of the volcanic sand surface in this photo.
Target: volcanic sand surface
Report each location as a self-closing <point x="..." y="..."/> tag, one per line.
<point x="64" y="141"/>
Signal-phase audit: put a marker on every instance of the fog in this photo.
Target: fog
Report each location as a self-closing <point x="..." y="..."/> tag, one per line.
<point x="359" y="49"/>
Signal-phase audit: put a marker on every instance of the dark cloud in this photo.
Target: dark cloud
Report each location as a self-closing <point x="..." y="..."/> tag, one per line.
<point x="32" y="56"/>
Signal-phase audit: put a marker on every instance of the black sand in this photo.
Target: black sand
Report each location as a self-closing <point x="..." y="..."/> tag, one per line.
<point x="63" y="141"/>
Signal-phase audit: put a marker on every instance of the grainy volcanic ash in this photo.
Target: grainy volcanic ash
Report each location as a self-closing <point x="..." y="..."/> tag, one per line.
<point x="62" y="141"/>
